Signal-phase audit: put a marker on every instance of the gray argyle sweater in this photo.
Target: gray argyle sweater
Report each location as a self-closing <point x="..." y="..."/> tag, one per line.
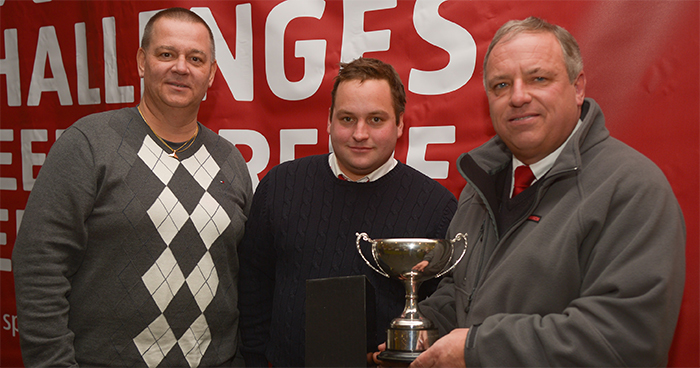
<point x="126" y="256"/>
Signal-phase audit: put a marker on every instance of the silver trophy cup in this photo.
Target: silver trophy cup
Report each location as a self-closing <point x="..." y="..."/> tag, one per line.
<point x="411" y="261"/>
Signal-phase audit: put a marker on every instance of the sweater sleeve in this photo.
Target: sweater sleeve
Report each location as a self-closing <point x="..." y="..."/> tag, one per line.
<point x="49" y="249"/>
<point x="257" y="280"/>
<point x="447" y="214"/>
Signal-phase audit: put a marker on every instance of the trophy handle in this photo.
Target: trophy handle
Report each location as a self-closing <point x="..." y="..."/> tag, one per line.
<point x="359" y="250"/>
<point x="457" y="238"/>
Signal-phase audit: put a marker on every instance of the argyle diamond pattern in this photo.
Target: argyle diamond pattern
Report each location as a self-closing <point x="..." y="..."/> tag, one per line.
<point x="165" y="278"/>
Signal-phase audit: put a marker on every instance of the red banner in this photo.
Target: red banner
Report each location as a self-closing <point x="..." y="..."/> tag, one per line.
<point x="61" y="60"/>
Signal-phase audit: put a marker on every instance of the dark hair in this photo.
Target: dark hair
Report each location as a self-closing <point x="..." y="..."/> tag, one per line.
<point x="178" y="14"/>
<point x="367" y="68"/>
<point x="569" y="46"/>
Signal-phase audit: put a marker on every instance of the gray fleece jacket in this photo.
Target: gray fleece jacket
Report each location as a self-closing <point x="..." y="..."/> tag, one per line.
<point x="591" y="274"/>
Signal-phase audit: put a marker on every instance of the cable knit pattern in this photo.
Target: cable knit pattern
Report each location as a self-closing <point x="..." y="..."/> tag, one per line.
<point x="302" y="226"/>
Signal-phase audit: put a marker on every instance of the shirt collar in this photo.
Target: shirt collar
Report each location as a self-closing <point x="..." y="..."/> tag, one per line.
<point x="541" y="167"/>
<point x="374" y="175"/>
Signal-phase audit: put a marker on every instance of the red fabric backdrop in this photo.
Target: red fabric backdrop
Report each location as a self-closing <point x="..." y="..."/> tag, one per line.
<point x="61" y="60"/>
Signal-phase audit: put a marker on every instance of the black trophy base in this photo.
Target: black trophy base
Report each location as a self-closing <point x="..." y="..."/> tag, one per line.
<point x="398" y="356"/>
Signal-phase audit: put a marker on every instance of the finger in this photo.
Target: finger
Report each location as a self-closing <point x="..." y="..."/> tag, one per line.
<point x="375" y="359"/>
<point x="424" y="360"/>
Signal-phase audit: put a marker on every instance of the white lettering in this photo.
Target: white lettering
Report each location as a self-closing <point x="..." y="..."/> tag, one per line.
<point x="5" y="265"/>
<point x="257" y="142"/>
<point x="86" y="95"/>
<point x="418" y="139"/>
<point x="312" y="51"/>
<point x="4" y="216"/>
<point x="289" y="138"/>
<point x="7" y="135"/>
<point x="238" y="71"/>
<point x="114" y="93"/>
<point x="47" y="46"/>
<point x="355" y="40"/>
<point x="10" y="67"/>
<point x="30" y="159"/>
<point x="144" y="17"/>
<point x="10" y="323"/>
<point x="452" y="38"/>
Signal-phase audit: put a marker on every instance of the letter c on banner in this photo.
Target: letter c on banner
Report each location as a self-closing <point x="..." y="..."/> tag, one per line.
<point x="312" y="51"/>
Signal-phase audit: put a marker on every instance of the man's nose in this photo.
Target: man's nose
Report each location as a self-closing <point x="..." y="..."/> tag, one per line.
<point x="180" y="65"/>
<point x="520" y="94"/>
<point x="361" y="132"/>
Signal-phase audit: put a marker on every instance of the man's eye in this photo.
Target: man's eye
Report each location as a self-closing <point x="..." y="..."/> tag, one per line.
<point x="500" y="85"/>
<point x="346" y="119"/>
<point x="375" y="120"/>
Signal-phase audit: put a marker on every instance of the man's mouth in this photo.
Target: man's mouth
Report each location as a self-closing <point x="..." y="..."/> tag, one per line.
<point x="520" y="118"/>
<point x="360" y="149"/>
<point x="178" y="85"/>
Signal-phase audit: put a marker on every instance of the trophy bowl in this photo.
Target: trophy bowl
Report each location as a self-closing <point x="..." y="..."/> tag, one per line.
<point x="411" y="261"/>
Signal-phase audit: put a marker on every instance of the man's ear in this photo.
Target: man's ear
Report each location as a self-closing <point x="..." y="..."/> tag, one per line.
<point x="214" y="67"/>
<point x="580" y="87"/>
<point x="328" y="126"/>
<point x="141" y="61"/>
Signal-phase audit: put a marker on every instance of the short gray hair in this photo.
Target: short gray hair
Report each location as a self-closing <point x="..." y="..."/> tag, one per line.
<point x="178" y="14"/>
<point x="569" y="46"/>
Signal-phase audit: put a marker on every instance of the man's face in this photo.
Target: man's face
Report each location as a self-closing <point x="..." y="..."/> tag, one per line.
<point x="533" y="105"/>
<point x="177" y="67"/>
<point x="363" y="127"/>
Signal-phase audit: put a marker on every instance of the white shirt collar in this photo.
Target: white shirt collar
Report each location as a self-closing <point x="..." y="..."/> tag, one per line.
<point x="541" y="167"/>
<point x="374" y="175"/>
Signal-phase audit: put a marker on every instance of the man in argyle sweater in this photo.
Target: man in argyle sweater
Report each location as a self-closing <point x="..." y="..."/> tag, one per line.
<point x="126" y="255"/>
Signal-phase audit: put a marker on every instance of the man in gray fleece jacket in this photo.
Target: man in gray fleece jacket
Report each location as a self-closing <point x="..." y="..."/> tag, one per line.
<point x="583" y="268"/>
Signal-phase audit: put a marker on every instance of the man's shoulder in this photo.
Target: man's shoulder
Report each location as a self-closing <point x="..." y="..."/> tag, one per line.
<point x="100" y="122"/>
<point x="308" y="166"/>
<point x="412" y="173"/>
<point x="302" y="162"/>
<point x="617" y="165"/>
<point x="105" y="117"/>
<point x="215" y="140"/>
<point x="420" y="180"/>
<point x="101" y="125"/>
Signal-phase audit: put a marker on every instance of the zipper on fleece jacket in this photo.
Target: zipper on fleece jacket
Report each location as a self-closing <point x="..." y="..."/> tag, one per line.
<point x="538" y="197"/>
<point x="478" y="270"/>
<point x="516" y="224"/>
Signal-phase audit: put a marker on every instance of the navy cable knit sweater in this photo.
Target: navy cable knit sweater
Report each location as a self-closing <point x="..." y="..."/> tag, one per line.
<point x="302" y="226"/>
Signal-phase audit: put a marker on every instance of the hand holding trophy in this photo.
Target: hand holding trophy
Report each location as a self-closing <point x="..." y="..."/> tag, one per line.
<point x="412" y="261"/>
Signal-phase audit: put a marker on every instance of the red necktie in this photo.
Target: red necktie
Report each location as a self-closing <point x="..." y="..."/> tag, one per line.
<point x="522" y="179"/>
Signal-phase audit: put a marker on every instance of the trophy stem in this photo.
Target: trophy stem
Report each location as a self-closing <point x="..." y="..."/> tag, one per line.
<point x="410" y="311"/>
<point x="412" y="261"/>
<point x="411" y="333"/>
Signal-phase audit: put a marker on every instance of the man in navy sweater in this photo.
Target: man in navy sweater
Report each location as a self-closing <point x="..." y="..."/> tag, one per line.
<point x="306" y="212"/>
